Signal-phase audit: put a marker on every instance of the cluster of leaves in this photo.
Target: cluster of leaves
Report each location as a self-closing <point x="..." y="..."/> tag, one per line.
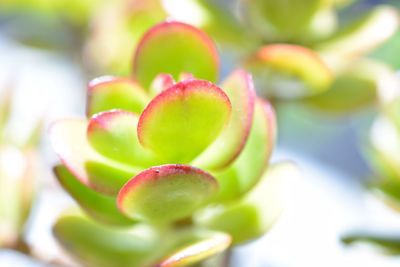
<point x="297" y="50"/>
<point x="328" y="52"/>
<point x="169" y="173"/>
<point x="18" y="172"/>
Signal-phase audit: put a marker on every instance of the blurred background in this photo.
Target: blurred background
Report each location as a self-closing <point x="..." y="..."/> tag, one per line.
<point x="49" y="50"/>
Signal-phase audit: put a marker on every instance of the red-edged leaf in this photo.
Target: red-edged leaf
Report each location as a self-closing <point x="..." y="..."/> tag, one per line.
<point x="101" y="207"/>
<point x="240" y="90"/>
<point x="183" y="120"/>
<point x="248" y="168"/>
<point x="114" y="135"/>
<point x="175" y="47"/>
<point x="106" y="93"/>
<point x="69" y="140"/>
<point x="160" y="83"/>
<point x="166" y="193"/>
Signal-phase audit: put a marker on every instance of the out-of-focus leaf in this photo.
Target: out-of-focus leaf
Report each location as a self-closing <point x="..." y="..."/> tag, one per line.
<point x="354" y="88"/>
<point x="240" y="90"/>
<point x="98" y="245"/>
<point x="70" y="142"/>
<point x="201" y="246"/>
<point x="289" y="71"/>
<point x="364" y="34"/>
<point x="385" y="148"/>
<point x="100" y="207"/>
<point x="255" y="214"/>
<point x="386" y="52"/>
<point x="390" y="244"/>
<point x="106" y="93"/>
<point x="117" y="27"/>
<point x="388" y="189"/>
<point x="392" y="110"/>
<point x="282" y="19"/>
<point x="248" y="168"/>
<point x="5" y="108"/>
<point x="17" y="190"/>
<point x="166" y="193"/>
<point x="114" y="135"/>
<point x="184" y="49"/>
<point x="183" y="120"/>
<point x="160" y="83"/>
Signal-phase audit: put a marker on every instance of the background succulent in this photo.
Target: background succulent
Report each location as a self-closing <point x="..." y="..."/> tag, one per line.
<point x="18" y="179"/>
<point x="304" y="50"/>
<point x="169" y="173"/>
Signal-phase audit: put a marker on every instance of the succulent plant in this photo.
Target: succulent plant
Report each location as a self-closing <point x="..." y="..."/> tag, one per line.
<point x="168" y="173"/>
<point x="18" y="174"/>
<point x="300" y="49"/>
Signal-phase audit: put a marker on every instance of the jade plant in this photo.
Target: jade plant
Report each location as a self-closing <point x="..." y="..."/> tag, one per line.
<point x="302" y="50"/>
<point x="168" y="167"/>
<point x="18" y="174"/>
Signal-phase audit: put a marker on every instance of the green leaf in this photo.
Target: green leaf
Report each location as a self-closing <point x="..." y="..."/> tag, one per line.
<point x="201" y="245"/>
<point x="364" y="34"/>
<point x="354" y="88"/>
<point x="282" y="20"/>
<point x="100" y="207"/>
<point x="253" y="215"/>
<point x="184" y="49"/>
<point x="390" y="244"/>
<point x="69" y="141"/>
<point x="166" y="193"/>
<point x="183" y="120"/>
<point x="388" y="189"/>
<point x="289" y="71"/>
<point x="240" y="90"/>
<point x="248" y="168"/>
<point x="106" y="93"/>
<point x="114" y="135"/>
<point x="98" y="245"/>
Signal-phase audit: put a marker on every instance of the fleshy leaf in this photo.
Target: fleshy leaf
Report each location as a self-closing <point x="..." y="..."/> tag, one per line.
<point x="69" y="141"/>
<point x="364" y="34"/>
<point x="183" y="120"/>
<point x="197" y="250"/>
<point x="101" y="207"/>
<point x="359" y="83"/>
<point x="248" y="168"/>
<point x="281" y="20"/>
<point x="289" y="71"/>
<point x="114" y="135"/>
<point x="184" y="49"/>
<point x="98" y="245"/>
<point x="240" y="90"/>
<point x="160" y="83"/>
<point x="255" y="214"/>
<point x="106" y="93"/>
<point x="166" y="193"/>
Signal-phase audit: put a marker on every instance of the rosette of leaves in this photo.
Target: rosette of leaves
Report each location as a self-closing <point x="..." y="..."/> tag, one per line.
<point x="303" y="50"/>
<point x="169" y="168"/>
<point x="18" y="173"/>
